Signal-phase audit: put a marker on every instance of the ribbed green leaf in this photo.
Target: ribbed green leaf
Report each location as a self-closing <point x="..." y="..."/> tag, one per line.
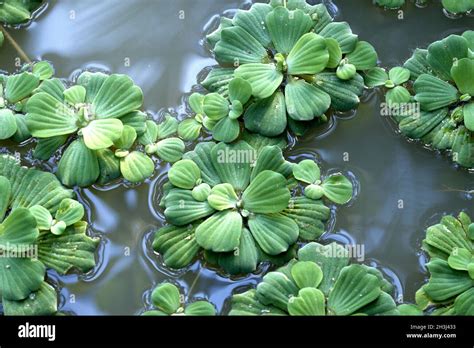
<point x="253" y="20"/>
<point x="341" y="31"/>
<point x="117" y="96"/>
<point x="177" y="245"/>
<point x="304" y="102"/>
<point x="233" y="163"/>
<point x="354" y="289"/>
<point x="92" y="82"/>
<point x="43" y="217"/>
<point x="73" y="250"/>
<point x="46" y="147"/>
<point x="182" y="208"/>
<point x="20" y="86"/>
<point x="446" y="282"/>
<point x="202" y="157"/>
<point x="308" y="302"/>
<point x="273" y="233"/>
<point x="264" y="79"/>
<point x="184" y="174"/>
<point x="335" y="53"/>
<point x="307" y="171"/>
<point x="308" y="56"/>
<point x="271" y="158"/>
<point x="47" y="117"/>
<point x="189" y="129"/>
<point x="75" y="95"/>
<point x="443" y="53"/>
<point x="200" y="308"/>
<point x="78" y="166"/>
<point x="309" y="215"/>
<point x="462" y="72"/>
<point x="399" y="75"/>
<point x="464" y="303"/>
<point x="417" y="126"/>
<point x="136" y="167"/>
<point x="375" y="77"/>
<point x="238" y="47"/>
<point x="42" y="302"/>
<point x="267" y="116"/>
<point x="223" y="197"/>
<point x="6" y="190"/>
<point x="101" y="134"/>
<point x="170" y="150"/>
<point x="8" y="126"/>
<point x="344" y="94"/>
<point x="43" y="70"/>
<point x="286" y="27"/>
<point x="247" y="304"/>
<point x="364" y="56"/>
<point x="221" y="232"/>
<point x="244" y="259"/>
<point x="332" y="258"/>
<point x="276" y="289"/>
<point x="166" y="298"/>
<point x="433" y="93"/>
<point x="337" y="188"/>
<point x="307" y="274"/>
<point x="266" y="194"/>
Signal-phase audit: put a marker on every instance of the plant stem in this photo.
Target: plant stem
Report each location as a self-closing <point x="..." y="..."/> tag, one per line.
<point x="191" y="288"/>
<point x="17" y="47"/>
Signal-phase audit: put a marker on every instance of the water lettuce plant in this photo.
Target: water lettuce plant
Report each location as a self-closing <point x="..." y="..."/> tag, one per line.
<point x="451" y="6"/>
<point x="320" y="281"/>
<point x="450" y="246"/>
<point x="18" y="11"/>
<point x="15" y="91"/>
<point x="32" y="241"/>
<point x="167" y="300"/>
<point x="298" y="64"/>
<point x="440" y="80"/>
<point x="236" y="203"/>
<point x="99" y="120"/>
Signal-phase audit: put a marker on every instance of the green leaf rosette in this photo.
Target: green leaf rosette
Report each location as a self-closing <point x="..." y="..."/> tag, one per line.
<point x="320" y="281"/>
<point x="234" y="202"/>
<point x="96" y="123"/>
<point x="41" y="228"/>
<point x="298" y="64"/>
<point x="438" y="82"/>
<point x="167" y="300"/>
<point x="450" y="246"/>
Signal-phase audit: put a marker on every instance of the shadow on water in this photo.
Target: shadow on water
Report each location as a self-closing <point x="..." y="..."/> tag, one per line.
<point x="402" y="187"/>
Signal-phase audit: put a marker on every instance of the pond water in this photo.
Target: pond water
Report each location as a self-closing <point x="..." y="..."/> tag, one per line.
<point x="403" y="188"/>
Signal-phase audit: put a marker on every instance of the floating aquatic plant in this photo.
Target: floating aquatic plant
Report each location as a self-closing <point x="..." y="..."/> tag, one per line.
<point x="297" y="62"/>
<point x="235" y="203"/>
<point x="450" y="246"/>
<point x="31" y="240"/>
<point x="18" y="11"/>
<point x="167" y="300"/>
<point x="451" y="6"/>
<point x="100" y="114"/>
<point x="158" y="139"/>
<point x="15" y="90"/>
<point x="441" y="82"/>
<point x="321" y="281"/>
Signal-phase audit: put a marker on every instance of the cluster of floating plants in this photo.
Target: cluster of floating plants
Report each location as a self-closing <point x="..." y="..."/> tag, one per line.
<point x="41" y="228"/>
<point x="233" y="201"/>
<point x="242" y="212"/>
<point x="281" y="65"/>
<point x="440" y="80"/>
<point x="320" y="281"/>
<point x="167" y="300"/>
<point x="450" y="246"/>
<point x="454" y="7"/>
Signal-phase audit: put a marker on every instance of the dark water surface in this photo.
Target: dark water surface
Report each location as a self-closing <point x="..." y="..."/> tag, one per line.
<point x="403" y="187"/>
